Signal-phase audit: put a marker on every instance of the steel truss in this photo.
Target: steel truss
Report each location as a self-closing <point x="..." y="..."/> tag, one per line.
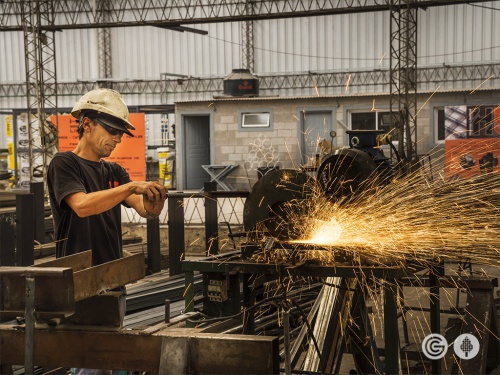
<point x="39" y="19"/>
<point x="247" y="39"/>
<point x="210" y="86"/>
<point x="41" y="83"/>
<point x="73" y="14"/>
<point x="403" y="76"/>
<point x="104" y="40"/>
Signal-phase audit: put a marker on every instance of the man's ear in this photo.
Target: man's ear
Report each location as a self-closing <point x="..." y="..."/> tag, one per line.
<point x="86" y="124"/>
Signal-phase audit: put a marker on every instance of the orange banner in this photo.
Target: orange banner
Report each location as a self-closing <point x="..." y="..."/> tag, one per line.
<point x="465" y="158"/>
<point x="130" y="153"/>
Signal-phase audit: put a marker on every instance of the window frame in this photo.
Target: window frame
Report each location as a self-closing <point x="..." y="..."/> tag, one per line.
<point x="260" y="111"/>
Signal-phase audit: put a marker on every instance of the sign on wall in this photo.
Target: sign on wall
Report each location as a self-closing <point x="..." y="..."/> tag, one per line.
<point x="472" y="143"/>
<point x="130" y="153"/>
<point x="465" y="122"/>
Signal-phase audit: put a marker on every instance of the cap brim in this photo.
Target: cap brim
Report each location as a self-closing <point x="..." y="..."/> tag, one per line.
<point x="115" y="125"/>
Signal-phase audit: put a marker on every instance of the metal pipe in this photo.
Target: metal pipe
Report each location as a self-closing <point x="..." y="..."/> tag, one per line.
<point x="286" y="334"/>
<point x="29" y="316"/>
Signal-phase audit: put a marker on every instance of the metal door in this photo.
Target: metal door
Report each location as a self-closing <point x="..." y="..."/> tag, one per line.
<point x="316" y="127"/>
<point x="196" y="150"/>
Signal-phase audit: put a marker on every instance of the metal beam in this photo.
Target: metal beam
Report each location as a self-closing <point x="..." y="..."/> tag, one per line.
<point x="83" y="14"/>
<point x="403" y="76"/>
<point x="92" y="281"/>
<point x="54" y="291"/>
<point x="331" y="83"/>
<point x="138" y="351"/>
<point x="58" y="287"/>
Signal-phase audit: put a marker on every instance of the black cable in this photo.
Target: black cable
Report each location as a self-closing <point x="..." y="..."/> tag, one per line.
<point x="391" y="145"/>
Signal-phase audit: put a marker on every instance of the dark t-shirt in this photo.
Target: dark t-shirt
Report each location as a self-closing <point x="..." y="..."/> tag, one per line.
<point x="68" y="174"/>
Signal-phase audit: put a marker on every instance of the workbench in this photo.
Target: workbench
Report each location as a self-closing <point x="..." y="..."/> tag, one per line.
<point x="230" y="264"/>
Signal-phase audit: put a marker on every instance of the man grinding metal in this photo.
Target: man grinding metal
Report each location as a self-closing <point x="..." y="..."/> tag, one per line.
<point x="86" y="191"/>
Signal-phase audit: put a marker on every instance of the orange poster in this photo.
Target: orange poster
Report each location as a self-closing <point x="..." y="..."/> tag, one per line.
<point x="130" y="153"/>
<point x="465" y="158"/>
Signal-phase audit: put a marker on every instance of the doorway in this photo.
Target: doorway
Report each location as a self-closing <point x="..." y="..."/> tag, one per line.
<point x="196" y="150"/>
<point x="315" y="129"/>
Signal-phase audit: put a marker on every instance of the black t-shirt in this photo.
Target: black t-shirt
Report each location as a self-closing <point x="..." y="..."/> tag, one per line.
<point x="68" y="174"/>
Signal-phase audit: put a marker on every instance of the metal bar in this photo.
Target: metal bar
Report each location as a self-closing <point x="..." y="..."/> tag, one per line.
<point x="37" y="189"/>
<point x="138" y="351"/>
<point x="76" y="262"/>
<point x="29" y="315"/>
<point x="211" y="224"/>
<point x="248" y="302"/>
<point x="176" y="245"/>
<point x="82" y="14"/>
<point x="362" y="340"/>
<point x="451" y="281"/>
<point x="286" y="330"/>
<point x="167" y="311"/>
<point x="238" y="266"/>
<point x="331" y="82"/>
<point x="391" y="332"/>
<point x="153" y="246"/>
<point x="189" y="291"/>
<point x="54" y="297"/>
<point x="436" y="272"/>
<point x="24" y="230"/>
<point x="92" y="281"/>
<point x="7" y="240"/>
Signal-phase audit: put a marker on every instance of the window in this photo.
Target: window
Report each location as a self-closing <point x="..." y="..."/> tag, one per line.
<point x="260" y="119"/>
<point x="439" y="129"/>
<point x="255" y="120"/>
<point x="462" y="122"/>
<point x="373" y="120"/>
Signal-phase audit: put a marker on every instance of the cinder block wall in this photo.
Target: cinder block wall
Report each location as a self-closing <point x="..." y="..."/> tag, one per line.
<point x="250" y="148"/>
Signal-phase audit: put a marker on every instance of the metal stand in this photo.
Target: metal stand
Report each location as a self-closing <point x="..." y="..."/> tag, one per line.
<point x="218" y="173"/>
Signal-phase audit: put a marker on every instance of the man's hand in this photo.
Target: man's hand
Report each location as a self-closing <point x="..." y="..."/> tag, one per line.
<point x="151" y="191"/>
<point x="153" y="198"/>
<point x="153" y="207"/>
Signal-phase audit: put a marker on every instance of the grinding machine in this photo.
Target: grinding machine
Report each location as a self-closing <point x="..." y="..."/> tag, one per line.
<point x="315" y="333"/>
<point x="271" y="219"/>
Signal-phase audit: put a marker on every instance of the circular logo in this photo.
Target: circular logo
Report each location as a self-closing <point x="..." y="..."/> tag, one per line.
<point x="466" y="346"/>
<point x="434" y="346"/>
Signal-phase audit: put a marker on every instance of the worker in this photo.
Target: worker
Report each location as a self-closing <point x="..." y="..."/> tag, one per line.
<point x="86" y="191"/>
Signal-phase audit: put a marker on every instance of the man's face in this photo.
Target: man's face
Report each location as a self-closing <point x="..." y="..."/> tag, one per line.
<point x="104" y="139"/>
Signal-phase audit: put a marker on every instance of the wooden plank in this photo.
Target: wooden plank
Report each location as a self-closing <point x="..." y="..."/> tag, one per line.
<point x="95" y="280"/>
<point x="136" y="351"/>
<point x="77" y="262"/>
<point x="54" y="291"/>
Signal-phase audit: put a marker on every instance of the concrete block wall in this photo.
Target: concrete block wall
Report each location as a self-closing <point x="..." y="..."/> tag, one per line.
<point x="280" y="144"/>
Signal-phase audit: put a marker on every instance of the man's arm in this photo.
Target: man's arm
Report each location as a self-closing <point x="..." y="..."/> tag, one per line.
<point x="87" y="204"/>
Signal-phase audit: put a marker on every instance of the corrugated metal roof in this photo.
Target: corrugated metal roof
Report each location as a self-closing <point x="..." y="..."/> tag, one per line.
<point x="306" y="97"/>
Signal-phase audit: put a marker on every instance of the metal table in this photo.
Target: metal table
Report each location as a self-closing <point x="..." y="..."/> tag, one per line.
<point x="232" y="265"/>
<point x="218" y="173"/>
